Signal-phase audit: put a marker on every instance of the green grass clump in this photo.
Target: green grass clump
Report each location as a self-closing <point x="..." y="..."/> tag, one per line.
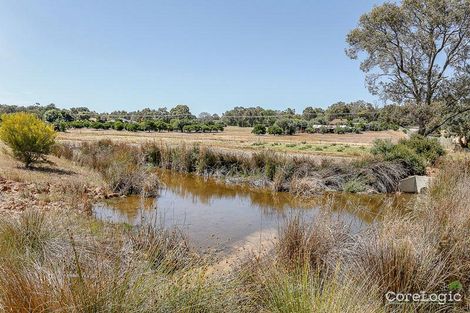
<point x="354" y="186"/>
<point x="306" y="147"/>
<point x="416" y="153"/>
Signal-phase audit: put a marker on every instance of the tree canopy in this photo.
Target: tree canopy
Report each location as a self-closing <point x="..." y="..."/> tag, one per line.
<point x="417" y="51"/>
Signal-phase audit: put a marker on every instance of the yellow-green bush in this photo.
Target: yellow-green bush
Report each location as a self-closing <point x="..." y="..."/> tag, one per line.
<point x="29" y="138"/>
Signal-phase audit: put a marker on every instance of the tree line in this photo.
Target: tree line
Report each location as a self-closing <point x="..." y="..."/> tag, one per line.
<point x="340" y="117"/>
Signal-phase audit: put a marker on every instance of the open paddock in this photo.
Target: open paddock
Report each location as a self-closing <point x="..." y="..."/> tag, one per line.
<point x="341" y="145"/>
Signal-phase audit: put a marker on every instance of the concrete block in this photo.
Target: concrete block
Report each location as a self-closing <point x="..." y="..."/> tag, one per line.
<point x="414" y="184"/>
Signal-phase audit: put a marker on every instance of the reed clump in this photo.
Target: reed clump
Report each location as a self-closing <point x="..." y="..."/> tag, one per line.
<point x="55" y="262"/>
<point x="125" y="166"/>
<point x="60" y="265"/>
<point x="427" y="248"/>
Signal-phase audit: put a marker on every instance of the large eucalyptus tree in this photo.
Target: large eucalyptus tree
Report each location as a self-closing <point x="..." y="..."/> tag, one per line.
<point x="417" y="52"/>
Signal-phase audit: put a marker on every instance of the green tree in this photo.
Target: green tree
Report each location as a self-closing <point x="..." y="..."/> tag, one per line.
<point x="160" y="125"/>
<point x="118" y="125"/>
<point x="287" y="125"/>
<point x="52" y="116"/>
<point x="417" y="52"/>
<point x="181" y="111"/>
<point x="259" y="129"/>
<point x="460" y="127"/>
<point x="310" y="113"/>
<point x="275" y="130"/>
<point x="29" y="138"/>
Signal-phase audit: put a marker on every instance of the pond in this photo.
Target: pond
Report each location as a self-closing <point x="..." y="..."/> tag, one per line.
<point x="218" y="215"/>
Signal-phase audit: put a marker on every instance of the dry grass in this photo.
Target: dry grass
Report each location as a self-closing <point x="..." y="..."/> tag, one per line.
<point x="112" y="270"/>
<point x="302" y="289"/>
<point x="318" y="244"/>
<point x="238" y="138"/>
<point x="424" y="249"/>
<point x="122" y="167"/>
<point x="56" y="184"/>
<point x="58" y="170"/>
<point x="62" y="261"/>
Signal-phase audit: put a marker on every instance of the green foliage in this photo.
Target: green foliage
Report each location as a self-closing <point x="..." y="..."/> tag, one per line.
<point x="354" y="186"/>
<point x="428" y="148"/>
<point x="460" y="127"/>
<point x="400" y="152"/>
<point x="182" y="111"/>
<point x="399" y="68"/>
<point x="132" y="127"/>
<point x="259" y="129"/>
<point x="275" y="130"/>
<point x="52" y="115"/>
<point x="339" y="130"/>
<point x="416" y="153"/>
<point x="60" y="126"/>
<point x="118" y="125"/>
<point x="323" y="130"/>
<point x="287" y="125"/>
<point x="29" y="138"/>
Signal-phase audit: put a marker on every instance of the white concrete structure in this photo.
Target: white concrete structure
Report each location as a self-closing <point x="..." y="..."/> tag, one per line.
<point x="414" y="184"/>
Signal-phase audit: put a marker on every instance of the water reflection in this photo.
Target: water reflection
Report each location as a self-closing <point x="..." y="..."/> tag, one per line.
<point x="217" y="214"/>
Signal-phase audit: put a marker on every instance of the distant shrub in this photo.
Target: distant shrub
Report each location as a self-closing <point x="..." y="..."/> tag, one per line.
<point x="339" y="130"/>
<point x="205" y="128"/>
<point x="60" y="126"/>
<point x="275" y="130"/>
<point x="29" y="138"/>
<point x="132" y="127"/>
<point x="311" y="130"/>
<point x="259" y="129"/>
<point x="323" y="130"/>
<point x="118" y="125"/>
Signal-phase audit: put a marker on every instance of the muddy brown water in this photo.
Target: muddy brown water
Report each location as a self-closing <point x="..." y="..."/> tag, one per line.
<point x="219" y="215"/>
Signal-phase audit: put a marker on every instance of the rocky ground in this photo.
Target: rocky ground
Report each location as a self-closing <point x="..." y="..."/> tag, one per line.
<point x="20" y="196"/>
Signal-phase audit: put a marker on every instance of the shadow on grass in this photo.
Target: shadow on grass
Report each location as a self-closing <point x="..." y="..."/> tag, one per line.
<point x="52" y="170"/>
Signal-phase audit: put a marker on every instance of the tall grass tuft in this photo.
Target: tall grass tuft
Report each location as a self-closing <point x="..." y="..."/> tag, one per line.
<point x="29" y="237"/>
<point x="114" y="270"/>
<point x="122" y="166"/>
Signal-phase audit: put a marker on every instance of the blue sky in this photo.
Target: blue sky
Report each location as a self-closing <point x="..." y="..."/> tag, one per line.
<point x="211" y="55"/>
